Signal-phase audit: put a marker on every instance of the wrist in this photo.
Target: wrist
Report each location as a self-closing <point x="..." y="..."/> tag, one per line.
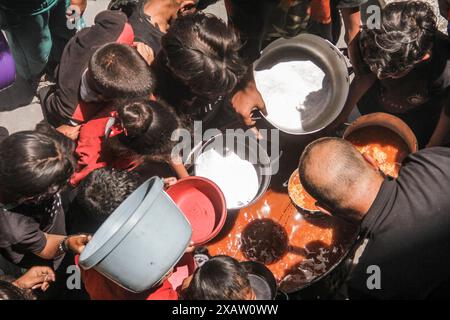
<point x="63" y="246"/>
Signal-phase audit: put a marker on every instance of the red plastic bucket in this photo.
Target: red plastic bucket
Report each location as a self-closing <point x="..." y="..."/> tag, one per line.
<point x="203" y="204"/>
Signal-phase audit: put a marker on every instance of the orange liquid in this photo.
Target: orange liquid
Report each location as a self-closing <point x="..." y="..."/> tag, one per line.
<point x="295" y="248"/>
<point x="299" y="195"/>
<point x="382" y="144"/>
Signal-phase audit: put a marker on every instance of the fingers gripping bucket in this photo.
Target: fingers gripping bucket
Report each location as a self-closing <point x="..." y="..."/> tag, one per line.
<point x="141" y="240"/>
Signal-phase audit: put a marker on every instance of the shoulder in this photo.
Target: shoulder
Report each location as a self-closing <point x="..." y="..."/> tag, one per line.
<point x="94" y="128"/>
<point x="13" y="225"/>
<point x="438" y="157"/>
<point x="426" y="168"/>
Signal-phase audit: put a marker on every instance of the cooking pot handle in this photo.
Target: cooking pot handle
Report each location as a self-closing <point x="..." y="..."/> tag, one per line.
<point x="344" y="52"/>
<point x="256" y="115"/>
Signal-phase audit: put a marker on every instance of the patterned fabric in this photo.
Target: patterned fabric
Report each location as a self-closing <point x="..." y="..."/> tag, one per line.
<point x="55" y="207"/>
<point x="291" y="17"/>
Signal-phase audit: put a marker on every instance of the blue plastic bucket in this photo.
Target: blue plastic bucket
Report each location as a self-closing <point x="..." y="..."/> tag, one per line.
<point x="141" y="241"/>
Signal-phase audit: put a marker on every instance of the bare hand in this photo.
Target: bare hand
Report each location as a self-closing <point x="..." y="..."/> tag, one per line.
<point x="81" y="4"/>
<point x="36" y="277"/>
<point x="246" y="101"/>
<point x="145" y="51"/>
<point x="78" y="243"/>
<point x="69" y="131"/>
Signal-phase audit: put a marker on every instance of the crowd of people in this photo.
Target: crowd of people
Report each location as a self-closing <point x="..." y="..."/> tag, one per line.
<point x="146" y="68"/>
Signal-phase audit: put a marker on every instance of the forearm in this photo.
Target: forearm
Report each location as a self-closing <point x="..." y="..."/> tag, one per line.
<point x="359" y="86"/>
<point x="246" y="81"/>
<point x="352" y="23"/>
<point x="441" y="132"/>
<point x="179" y="169"/>
<point x="51" y="249"/>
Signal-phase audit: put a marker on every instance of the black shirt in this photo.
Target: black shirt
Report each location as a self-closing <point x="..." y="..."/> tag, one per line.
<point x="22" y="231"/>
<point x="144" y="30"/>
<point x="418" y="97"/>
<point x="408" y="232"/>
<point x="427" y="80"/>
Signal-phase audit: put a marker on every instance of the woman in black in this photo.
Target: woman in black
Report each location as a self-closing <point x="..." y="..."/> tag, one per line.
<point x="403" y="68"/>
<point x="34" y="167"/>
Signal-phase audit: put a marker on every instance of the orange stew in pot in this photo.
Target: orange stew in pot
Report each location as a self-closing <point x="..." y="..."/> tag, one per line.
<point x="385" y="146"/>
<point x="299" y="195"/>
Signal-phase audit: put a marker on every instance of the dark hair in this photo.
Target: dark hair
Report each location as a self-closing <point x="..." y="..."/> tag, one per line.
<point x="201" y="51"/>
<point x="120" y="73"/>
<point x="34" y="165"/>
<point x="8" y="291"/>
<point x="103" y="190"/>
<point x="345" y="166"/>
<point x="406" y="34"/>
<point x="149" y="126"/>
<point x="220" y="278"/>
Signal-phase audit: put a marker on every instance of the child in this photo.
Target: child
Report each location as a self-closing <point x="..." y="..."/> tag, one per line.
<point x="220" y="278"/>
<point x="99" y="195"/>
<point x="98" y="66"/>
<point x="151" y="19"/>
<point x="198" y="66"/>
<point x="34" y="167"/>
<point x="138" y="131"/>
<point x="403" y="69"/>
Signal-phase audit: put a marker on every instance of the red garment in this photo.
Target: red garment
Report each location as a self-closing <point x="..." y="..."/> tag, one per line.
<point x="101" y="288"/>
<point x="89" y="149"/>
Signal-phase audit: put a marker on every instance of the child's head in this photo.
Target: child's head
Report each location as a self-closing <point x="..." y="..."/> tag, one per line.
<point x="118" y="71"/>
<point x="35" y="165"/>
<point x="148" y="127"/>
<point x="104" y="190"/>
<point x="220" y="278"/>
<point x="404" y="39"/>
<point x="8" y="291"/>
<point x="201" y="51"/>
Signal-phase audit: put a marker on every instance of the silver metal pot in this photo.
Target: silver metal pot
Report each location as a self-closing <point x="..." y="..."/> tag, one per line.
<point x="247" y="148"/>
<point x="308" y="47"/>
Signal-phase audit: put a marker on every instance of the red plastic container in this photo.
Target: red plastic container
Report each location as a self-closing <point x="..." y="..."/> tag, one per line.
<point x="203" y="204"/>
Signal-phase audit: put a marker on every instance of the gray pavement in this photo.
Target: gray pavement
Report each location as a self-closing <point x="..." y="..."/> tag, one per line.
<point x="15" y="118"/>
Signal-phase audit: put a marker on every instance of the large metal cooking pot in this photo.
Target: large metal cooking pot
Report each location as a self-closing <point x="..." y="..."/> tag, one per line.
<point x="387" y="121"/>
<point x="308" y="47"/>
<point x="247" y="147"/>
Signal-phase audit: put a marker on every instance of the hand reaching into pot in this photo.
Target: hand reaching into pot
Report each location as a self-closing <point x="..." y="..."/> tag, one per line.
<point x="246" y="100"/>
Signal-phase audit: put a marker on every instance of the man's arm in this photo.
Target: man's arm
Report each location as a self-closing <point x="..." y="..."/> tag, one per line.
<point x="352" y="24"/>
<point x="247" y="99"/>
<point x="442" y="130"/>
<point x="359" y="86"/>
<point x="249" y="19"/>
<point x="52" y="247"/>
